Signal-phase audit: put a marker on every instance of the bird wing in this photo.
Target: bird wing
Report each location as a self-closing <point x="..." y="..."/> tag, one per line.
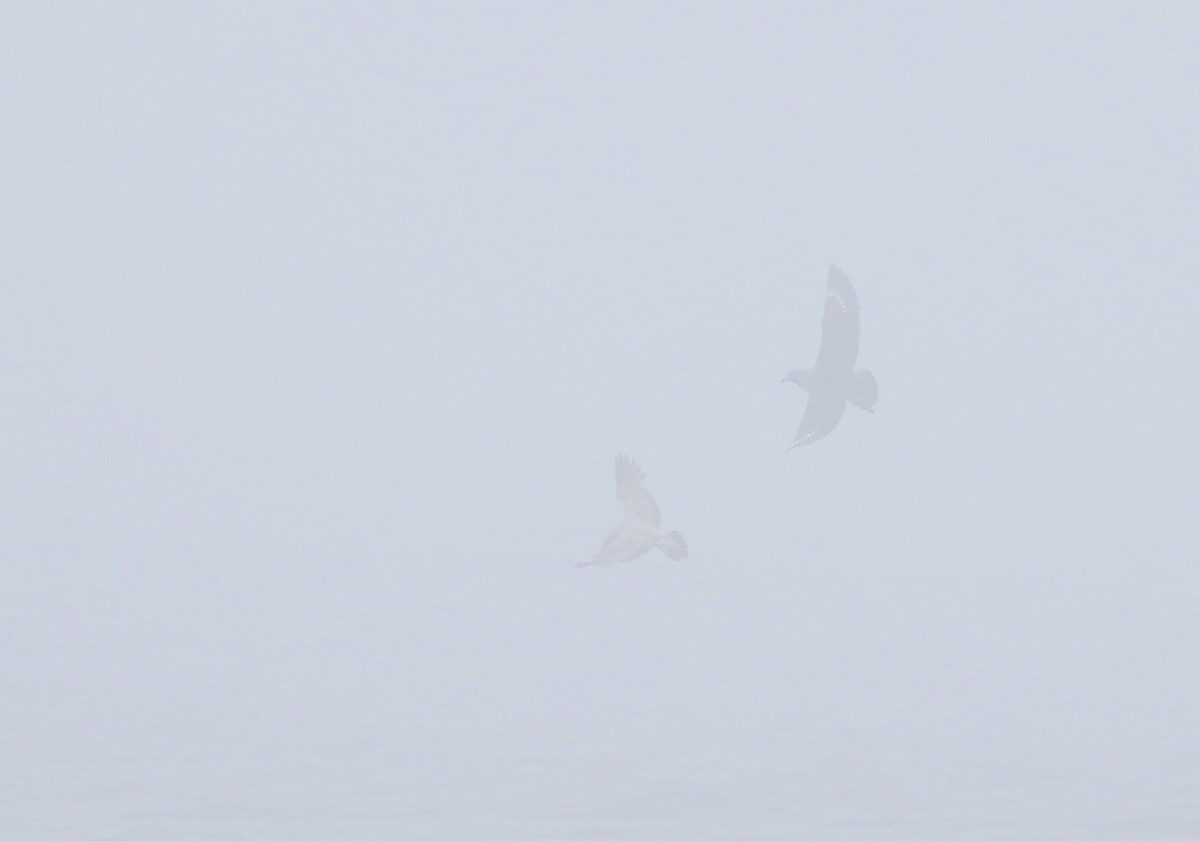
<point x="621" y="546"/>
<point x="821" y="417"/>
<point x="632" y="494"/>
<point x="839" y="325"/>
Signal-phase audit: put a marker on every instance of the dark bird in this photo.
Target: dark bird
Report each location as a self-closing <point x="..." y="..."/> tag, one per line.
<point x="833" y="381"/>
<point x="639" y="532"/>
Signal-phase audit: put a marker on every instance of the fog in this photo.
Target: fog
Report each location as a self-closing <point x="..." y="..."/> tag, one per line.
<point x="322" y="325"/>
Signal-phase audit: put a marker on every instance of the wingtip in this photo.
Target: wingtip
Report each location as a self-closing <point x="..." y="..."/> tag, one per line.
<point x="625" y="464"/>
<point x="838" y="278"/>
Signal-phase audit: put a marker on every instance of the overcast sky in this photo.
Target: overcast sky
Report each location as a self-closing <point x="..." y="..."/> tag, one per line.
<point x="322" y="324"/>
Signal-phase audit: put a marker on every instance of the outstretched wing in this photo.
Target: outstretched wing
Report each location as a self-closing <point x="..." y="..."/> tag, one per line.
<point x="622" y="545"/>
<point x="632" y="494"/>
<point x="839" y="325"/>
<point x="820" y="418"/>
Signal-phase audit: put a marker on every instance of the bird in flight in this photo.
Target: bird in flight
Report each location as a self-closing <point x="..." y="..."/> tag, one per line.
<point x="833" y="381"/>
<point x="639" y="532"/>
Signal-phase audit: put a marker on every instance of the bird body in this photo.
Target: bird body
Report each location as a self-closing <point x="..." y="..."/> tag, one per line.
<point x="833" y="381"/>
<point x="855" y="387"/>
<point x="639" y="531"/>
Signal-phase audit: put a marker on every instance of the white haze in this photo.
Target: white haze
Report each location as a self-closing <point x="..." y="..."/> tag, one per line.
<point x="322" y="324"/>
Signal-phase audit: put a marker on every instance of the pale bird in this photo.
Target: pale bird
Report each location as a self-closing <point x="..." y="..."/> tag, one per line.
<point x="639" y="532"/>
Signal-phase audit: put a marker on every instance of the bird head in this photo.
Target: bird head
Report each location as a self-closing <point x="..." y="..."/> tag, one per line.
<point x="800" y="377"/>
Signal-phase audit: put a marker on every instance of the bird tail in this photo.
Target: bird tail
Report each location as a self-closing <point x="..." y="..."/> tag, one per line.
<point x="674" y="546"/>
<point x="864" y="393"/>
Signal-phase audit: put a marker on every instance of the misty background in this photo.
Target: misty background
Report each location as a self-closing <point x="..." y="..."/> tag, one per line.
<point x="322" y="324"/>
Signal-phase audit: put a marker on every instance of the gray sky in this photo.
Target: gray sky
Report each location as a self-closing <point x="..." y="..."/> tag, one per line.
<point x="322" y="324"/>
